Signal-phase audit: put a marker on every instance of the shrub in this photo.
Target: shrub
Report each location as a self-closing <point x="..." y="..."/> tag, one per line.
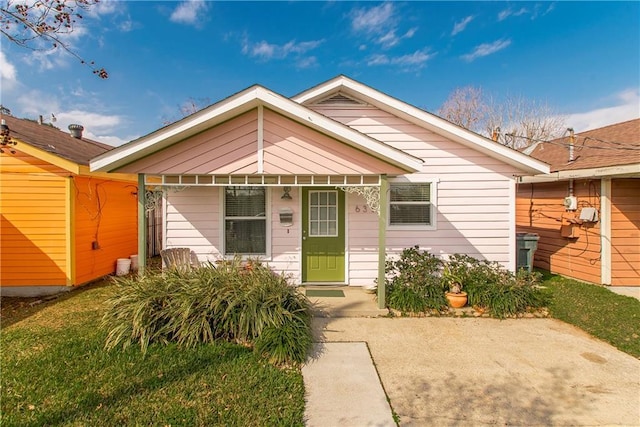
<point x="413" y="282"/>
<point x="233" y="302"/>
<point x="416" y="282"/>
<point x="491" y="287"/>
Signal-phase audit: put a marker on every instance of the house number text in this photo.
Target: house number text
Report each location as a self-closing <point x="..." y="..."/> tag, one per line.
<point x="362" y="209"/>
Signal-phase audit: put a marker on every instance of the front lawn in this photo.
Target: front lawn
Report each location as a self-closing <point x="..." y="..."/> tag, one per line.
<point x="606" y="315"/>
<point x="55" y="372"/>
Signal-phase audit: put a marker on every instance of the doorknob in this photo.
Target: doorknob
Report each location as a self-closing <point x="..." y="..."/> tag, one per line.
<point x="304" y="238"/>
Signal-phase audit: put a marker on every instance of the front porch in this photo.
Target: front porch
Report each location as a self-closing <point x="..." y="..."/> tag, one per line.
<point x="342" y="301"/>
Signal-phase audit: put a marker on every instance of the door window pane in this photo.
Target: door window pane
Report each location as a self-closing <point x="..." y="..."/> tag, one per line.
<point x="323" y="213"/>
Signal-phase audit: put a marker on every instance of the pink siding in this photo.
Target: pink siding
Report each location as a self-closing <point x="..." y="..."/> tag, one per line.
<point x="290" y="147"/>
<point x="193" y="220"/>
<point x="285" y="241"/>
<point x="474" y="193"/>
<point x="473" y="196"/>
<point x="224" y="149"/>
<point x="232" y="148"/>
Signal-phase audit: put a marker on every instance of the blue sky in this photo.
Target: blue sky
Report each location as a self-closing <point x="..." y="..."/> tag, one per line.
<point x="582" y="58"/>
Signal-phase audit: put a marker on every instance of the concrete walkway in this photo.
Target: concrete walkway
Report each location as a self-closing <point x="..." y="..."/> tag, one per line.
<point x="343" y="388"/>
<point x="629" y="291"/>
<point x="469" y="372"/>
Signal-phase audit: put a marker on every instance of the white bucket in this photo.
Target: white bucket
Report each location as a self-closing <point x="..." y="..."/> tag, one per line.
<point x="122" y="266"/>
<point x="134" y="262"/>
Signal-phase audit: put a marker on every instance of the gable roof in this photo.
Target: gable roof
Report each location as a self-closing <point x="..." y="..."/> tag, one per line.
<point x="54" y="141"/>
<point x="240" y="103"/>
<point x="613" y="145"/>
<point x="346" y="86"/>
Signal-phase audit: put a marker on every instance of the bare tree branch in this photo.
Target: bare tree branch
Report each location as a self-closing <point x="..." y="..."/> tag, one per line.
<point x="514" y="121"/>
<point x="41" y="25"/>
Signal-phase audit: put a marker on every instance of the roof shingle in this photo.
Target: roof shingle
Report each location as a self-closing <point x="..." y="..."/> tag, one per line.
<point x="613" y="145"/>
<point x="54" y="140"/>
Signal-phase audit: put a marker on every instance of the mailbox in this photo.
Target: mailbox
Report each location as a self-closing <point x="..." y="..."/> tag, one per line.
<point x="286" y="217"/>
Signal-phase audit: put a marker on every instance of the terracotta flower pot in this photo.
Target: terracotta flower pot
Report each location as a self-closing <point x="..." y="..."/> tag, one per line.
<point x="457" y="300"/>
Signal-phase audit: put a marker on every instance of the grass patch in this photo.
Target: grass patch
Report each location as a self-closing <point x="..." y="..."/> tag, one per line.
<point x="54" y="375"/>
<point x="606" y="315"/>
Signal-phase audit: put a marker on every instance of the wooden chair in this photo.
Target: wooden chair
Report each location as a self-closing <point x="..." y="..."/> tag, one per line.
<point x="181" y="258"/>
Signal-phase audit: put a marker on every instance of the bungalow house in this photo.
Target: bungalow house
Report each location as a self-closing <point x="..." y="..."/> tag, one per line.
<point x="325" y="184"/>
<point x="587" y="210"/>
<point x="60" y="224"/>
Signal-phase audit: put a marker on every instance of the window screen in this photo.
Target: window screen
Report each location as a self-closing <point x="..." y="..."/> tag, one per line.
<point x="245" y="220"/>
<point x="410" y="204"/>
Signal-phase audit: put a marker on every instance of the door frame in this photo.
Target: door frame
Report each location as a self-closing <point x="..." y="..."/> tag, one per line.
<point x="342" y="226"/>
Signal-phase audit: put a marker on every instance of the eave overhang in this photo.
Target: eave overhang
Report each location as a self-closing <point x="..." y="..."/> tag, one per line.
<point x="240" y="103"/>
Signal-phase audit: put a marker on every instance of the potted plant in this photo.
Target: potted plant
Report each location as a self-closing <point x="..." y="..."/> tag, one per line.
<point x="456" y="296"/>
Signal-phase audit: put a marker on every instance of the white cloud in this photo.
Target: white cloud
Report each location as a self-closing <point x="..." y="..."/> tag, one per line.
<point x="112" y="140"/>
<point x="486" y="49"/>
<point x="98" y="126"/>
<point x="8" y="73"/>
<point x="504" y="14"/>
<point x="266" y="51"/>
<point x="410" y="62"/>
<point x="126" y="25"/>
<point x="390" y="39"/>
<point x="626" y="107"/>
<point x="308" y="62"/>
<point x="536" y="12"/>
<point x="378" y="59"/>
<point x="189" y="12"/>
<point x="105" y="7"/>
<point x="372" y="20"/>
<point x="460" y="26"/>
<point x="380" y="25"/>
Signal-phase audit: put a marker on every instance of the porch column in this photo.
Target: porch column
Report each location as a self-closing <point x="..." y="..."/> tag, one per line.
<point x="142" y="224"/>
<point x="382" y="232"/>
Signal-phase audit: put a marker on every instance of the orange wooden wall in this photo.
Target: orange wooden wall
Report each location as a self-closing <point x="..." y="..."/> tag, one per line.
<point x="36" y="199"/>
<point x="105" y="212"/>
<point x="540" y="209"/>
<point x="33" y="209"/>
<point x="625" y="232"/>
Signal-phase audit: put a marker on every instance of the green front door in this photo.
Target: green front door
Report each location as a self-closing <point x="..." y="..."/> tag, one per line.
<point x="322" y="235"/>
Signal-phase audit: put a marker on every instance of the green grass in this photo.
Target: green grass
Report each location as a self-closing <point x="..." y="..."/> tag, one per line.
<point x="608" y="316"/>
<point x="56" y="372"/>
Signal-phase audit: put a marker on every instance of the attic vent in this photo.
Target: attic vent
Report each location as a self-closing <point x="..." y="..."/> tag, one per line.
<point x="339" y="99"/>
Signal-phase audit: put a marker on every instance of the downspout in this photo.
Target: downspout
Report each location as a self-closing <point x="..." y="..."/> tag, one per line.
<point x="142" y="225"/>
<point x="70" y="232"/>
<point x="382" y="232"/>
<point x="605" y="231"/>
<point x="572" y="139"/>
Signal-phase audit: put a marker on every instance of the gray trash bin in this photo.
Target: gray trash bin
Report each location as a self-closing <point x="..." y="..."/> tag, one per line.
<point x="526" y="243"/>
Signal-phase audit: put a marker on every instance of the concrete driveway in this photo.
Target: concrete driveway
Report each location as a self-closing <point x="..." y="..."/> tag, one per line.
<point x="470" y="372"/>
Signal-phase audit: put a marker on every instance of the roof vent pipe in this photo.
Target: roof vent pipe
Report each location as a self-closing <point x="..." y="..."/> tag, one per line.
<point x="76" y="130"/>
<point x="572" y="140"/>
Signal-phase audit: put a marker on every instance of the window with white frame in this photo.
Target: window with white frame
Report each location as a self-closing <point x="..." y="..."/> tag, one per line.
<point x="410" y="204"/>
<point x="245" y="220"/>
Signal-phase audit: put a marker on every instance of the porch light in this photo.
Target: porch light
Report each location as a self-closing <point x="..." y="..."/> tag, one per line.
<point x="285" y="195"/>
